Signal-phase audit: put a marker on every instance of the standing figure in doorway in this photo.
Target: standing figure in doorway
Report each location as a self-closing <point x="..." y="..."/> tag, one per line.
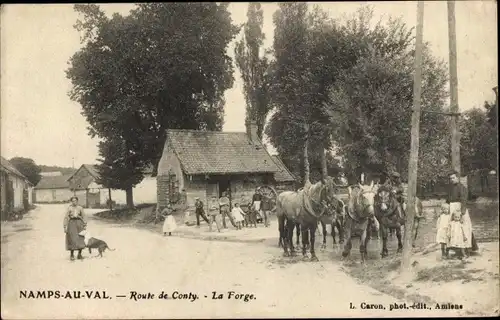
<point x="74" y="223"/>
<point x="257" y="202"/>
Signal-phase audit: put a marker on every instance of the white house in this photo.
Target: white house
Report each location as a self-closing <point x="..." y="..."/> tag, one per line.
<point x="83" y="183"/>
<point x="15" y="188"/>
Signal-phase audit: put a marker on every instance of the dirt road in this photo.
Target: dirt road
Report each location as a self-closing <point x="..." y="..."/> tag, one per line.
<point x="34" y="258"/>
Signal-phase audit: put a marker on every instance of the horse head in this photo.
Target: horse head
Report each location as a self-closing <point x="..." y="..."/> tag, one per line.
<point x="384" y="198"/>
<point x="329" y="190"/>
<point x="364" y="198"/>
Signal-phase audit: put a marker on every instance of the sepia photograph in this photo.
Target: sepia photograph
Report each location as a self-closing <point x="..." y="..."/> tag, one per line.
<point x="219" y="160"/>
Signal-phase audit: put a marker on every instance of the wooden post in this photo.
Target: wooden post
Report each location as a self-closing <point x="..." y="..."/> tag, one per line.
<point x="455" y="134"/>
<point x="415" y="133"/>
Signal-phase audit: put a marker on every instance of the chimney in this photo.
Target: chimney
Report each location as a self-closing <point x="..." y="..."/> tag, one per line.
<point x="251" y="127"/>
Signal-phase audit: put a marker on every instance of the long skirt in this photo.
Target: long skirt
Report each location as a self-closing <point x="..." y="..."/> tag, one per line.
<point x="457" y="235"/>
<point x="169" y="225"/>
<point x="74" y="241"/>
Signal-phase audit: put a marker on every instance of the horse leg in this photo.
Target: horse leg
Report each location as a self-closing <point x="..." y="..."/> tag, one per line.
<point x="313" y="240"/>
<point x="323" y="226"/>
<point x="290" y="227"/>
<point x="305" y="240"/>
<point x="362" y="241"/>
<point x="281" y="230"/>
<point x="297" y="226"/>
<point x="340" y="227"/>
<point x="384" y="232"/>
<point x="348" y="243"/>
<point x="400" y="243"/>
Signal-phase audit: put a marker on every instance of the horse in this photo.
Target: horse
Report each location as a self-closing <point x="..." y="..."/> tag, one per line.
<point x="304" y="207"/>
<point x="335" y="218"/>
<point x="391" y="215"/>
<point x="360" y="218"/>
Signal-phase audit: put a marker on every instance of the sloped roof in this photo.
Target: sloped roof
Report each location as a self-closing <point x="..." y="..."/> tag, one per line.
<point x="284" y="175"/>
<point x="9" y="167"/>
<point x="53" y="182"/>
<point x="213" y="152"/>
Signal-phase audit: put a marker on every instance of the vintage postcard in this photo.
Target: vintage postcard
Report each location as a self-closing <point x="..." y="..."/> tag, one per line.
<point x="249" y="160"/>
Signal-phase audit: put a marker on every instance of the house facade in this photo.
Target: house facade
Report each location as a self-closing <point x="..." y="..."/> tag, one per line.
<point x="83" y="183"/>
<point x="16" y="190"/>
<point x="53" y="189"/>
<point x="207" y="163"/>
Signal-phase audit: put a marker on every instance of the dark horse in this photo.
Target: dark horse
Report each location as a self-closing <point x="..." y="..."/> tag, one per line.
<point x="334" y="216"/>
<point x="391" y="215"/>
<point x="304" y="207"/>
<point x="360" y="218"/>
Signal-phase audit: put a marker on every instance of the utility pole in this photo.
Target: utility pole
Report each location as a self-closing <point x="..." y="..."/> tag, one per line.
<point x="455" y="134"/>
<point x="415" y="133"/>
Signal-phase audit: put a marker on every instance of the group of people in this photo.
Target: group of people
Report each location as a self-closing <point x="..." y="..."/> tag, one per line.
<point x="454" y="227"/>
<point x="243" y="213"/>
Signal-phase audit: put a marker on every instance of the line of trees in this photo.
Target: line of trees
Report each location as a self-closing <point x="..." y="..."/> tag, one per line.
<point x="343" y="84"/>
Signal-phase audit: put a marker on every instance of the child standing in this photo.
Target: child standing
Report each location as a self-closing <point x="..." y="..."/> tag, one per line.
<point x="238" y="215"/>
<point x="169" y="225"/>
<point x="443" y="226"/>
<point x="457" y="236"/>
<point x="213" y="212"/>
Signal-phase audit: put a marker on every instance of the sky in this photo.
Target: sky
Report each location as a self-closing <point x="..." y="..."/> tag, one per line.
<point x="39" y="121"/>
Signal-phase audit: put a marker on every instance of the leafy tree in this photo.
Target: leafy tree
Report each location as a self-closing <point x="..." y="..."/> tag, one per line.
<point x="479" y="140"/>
<point x="119" y="168"/>
<point x="162" y="66"/>
<point x="371" y="101"/>
<point x="254" y="68"/>
<point x="298" y="121"/>
<point x="28" y="168"/>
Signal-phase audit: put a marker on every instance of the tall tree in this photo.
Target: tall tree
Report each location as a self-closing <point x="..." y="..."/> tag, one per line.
<point x="28" y="168"/>
<point x="371" y="101"/>
<point x="254" y="67"/>
<point x="298" y="83"/>
<point x="162" y="66"/>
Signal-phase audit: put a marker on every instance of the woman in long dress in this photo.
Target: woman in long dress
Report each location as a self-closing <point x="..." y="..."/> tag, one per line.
<point x="169" y="225"/>
<point x="74" y="223"/>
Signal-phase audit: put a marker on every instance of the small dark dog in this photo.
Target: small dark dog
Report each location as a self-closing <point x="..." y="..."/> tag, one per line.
<point x="100" y="245"/>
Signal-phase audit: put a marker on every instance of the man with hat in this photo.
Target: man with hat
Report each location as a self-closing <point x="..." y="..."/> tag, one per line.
<point x="457" y="199"/>
<point x="199" y="211"/>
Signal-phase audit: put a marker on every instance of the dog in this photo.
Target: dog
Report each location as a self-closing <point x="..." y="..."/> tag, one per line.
<point x="94" y="243"/>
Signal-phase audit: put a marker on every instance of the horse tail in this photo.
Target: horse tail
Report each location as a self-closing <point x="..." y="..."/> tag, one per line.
<point x="109" y="248"/>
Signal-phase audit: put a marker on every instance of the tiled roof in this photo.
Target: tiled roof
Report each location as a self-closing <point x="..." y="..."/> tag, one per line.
<point x="7" y="166"/>
<point x="213" y="152"/>
<point x="53" y="182"/>
<point x="284" y="175"/>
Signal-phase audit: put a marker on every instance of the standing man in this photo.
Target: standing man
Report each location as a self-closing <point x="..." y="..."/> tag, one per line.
<point x="224" y="210"/>
<point x="256" y="201"/>
<point x="457" y="199"/>
<point x="199" y="211"/>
